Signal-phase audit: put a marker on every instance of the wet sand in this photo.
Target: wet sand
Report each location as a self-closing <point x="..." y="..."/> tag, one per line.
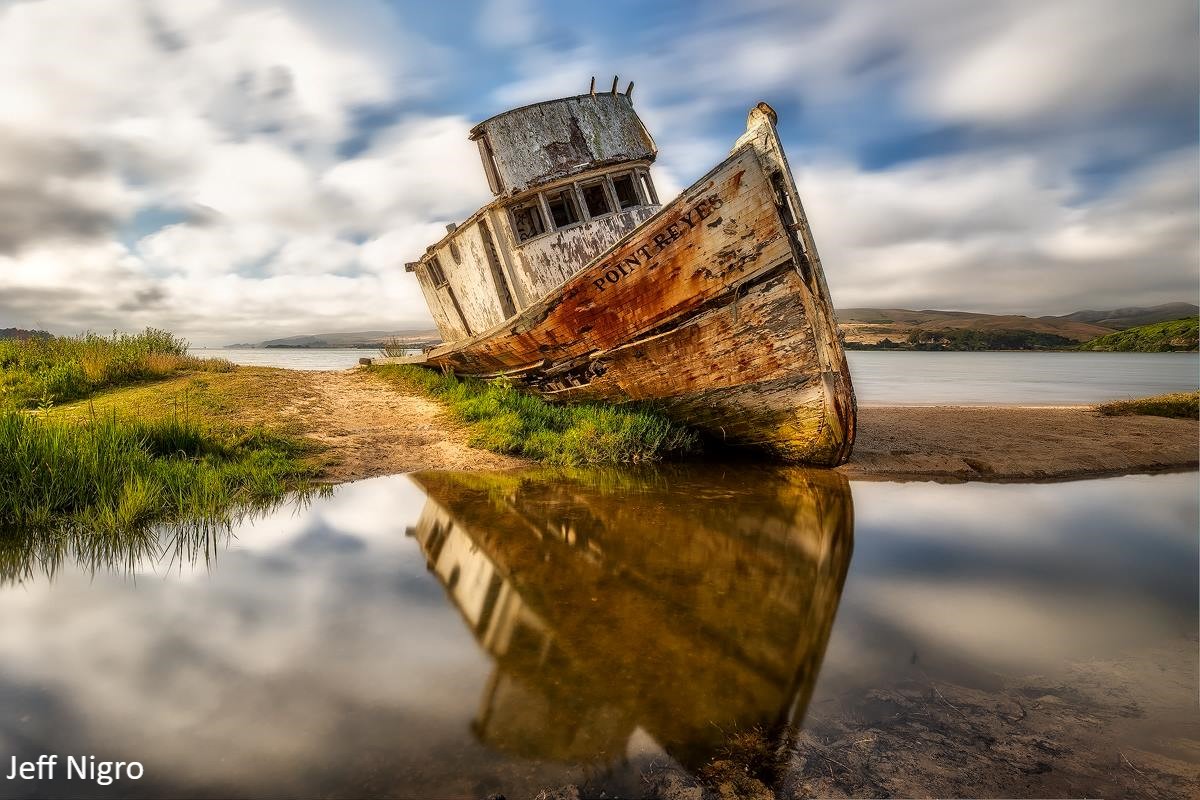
<point x="1006" y="443"/>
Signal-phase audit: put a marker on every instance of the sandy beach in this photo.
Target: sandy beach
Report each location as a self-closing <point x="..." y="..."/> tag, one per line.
<point x="1015" y="443"/>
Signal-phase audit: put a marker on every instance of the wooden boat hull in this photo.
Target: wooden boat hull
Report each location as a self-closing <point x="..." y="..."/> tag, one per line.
<point x="715" y="310"/>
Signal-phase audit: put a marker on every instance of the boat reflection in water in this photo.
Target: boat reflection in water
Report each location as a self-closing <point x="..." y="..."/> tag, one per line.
<point x="682" y="605"/>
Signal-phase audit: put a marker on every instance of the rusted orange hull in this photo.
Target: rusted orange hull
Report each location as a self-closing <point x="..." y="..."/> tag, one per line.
<point x="715" y="309"/>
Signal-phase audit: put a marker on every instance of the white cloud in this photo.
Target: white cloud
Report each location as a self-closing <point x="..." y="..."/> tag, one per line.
<point x="1068" y="58"/>
<point x="1001" y="232"/>
<point x="507" y="23"/>
<point x="229" y="115"/>
<point x="422" y="167"/>
<point x="224" y="121"/>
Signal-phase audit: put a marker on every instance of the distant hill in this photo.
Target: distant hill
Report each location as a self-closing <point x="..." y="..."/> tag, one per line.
<point x="1122" y="318"/>
<point x="363" y="339"/>
<point x="1160" y="337"/>
<point x="20" y="333"/>
<point x="870" y="326"/>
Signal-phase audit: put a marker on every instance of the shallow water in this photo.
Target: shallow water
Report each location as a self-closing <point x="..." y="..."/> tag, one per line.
<point x="919" y="378"/>
<point x="1018" y="378"/>
<point x="291" y="357"/>
<point x="459" y="634"/>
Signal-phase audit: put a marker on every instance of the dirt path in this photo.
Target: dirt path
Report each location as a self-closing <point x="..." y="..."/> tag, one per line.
<point x="1013" y="444"/>
<point x="372" y="428"/>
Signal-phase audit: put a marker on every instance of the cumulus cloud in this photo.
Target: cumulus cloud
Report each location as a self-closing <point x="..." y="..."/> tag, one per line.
<point x="227" y="118"/>
<point x="1065" y="177"/>
<point x="237" y="170"/>
<point x="1004" y="233"/>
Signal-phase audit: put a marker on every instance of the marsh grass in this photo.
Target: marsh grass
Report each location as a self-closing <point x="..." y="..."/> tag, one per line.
<point x="1180" y="405"/>
<point x="43" y="372"/>
<point x="107" y="474"/>
<point x="505" y="419"/>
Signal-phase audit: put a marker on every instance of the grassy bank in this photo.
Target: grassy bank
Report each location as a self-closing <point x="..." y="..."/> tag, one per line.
<point x="109" y="474"/>
<point x="71" y="466"/>
<point x="40" y="372"/>
<point x="504" y="419"/>
<point x="1181" y="405"/>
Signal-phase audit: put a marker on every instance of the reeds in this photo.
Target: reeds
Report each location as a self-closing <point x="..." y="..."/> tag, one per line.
<point x="108" y="474"/>
<point x="505" y="419"/>
<point x="41" y="372"/>
<point x="1180" y="405"/>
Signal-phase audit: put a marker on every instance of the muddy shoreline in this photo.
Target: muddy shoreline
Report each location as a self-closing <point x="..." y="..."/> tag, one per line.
<point x="371" y="429"/>
<point x="1015" y="444"/>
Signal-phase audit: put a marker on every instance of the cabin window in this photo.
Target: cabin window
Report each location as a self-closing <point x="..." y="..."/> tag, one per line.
<point x="457" y="256"/>
<point x="648" y="187"/>
<point x="489" y="164"/>
<point x="527" y="220"/>
<point x="626" y="192"/>
<point x="563" y="209"/>
<point x="502" y="292"/>
<point x="436" y="276"/>
<point x="595" y="198"/>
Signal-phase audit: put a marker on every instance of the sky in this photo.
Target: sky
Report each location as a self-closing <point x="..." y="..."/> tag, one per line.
<point x="237" y="170"/>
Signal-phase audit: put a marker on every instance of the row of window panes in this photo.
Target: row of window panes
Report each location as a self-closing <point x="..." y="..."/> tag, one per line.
<point x="600" y="196"/>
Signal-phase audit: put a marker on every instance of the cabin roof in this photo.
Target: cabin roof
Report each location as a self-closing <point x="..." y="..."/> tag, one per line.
<point x="477" y="131"/>
<point x="535" y="144"/>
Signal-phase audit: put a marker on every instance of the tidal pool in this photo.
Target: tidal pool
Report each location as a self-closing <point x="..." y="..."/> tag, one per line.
<point x="466" y="634"/>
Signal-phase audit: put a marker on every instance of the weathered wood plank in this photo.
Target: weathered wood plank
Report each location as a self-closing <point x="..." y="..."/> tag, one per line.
<point x="715" y="235"/>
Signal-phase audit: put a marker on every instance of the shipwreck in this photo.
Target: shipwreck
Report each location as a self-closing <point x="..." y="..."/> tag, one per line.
<point x="577" y="283"/>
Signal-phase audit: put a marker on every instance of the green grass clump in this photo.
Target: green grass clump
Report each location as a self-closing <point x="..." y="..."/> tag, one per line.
<point x="1160" y="337"/>
<point x="505" y="419"/>
<point x="1180" y="405"/>
<point x="108" y="474"/>
<point x="42" y="371"/>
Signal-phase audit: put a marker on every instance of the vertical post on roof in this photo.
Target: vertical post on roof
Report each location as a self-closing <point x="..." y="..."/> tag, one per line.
<point x="629" y="91"/>
<point x="614" y="89"/>
<point x="592" y="88"/>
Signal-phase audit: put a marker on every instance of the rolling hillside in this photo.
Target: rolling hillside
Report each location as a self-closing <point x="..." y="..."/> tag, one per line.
<point x="1122" y="318"/>
<point x="1161" y="337"/>
<point x="364" y="339"/>
<point x="869" y="326"/>
<point x="20" y="333"/>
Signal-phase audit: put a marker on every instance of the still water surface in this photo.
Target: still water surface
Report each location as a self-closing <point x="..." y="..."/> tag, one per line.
<point x="459" y="634"/>
<point x="1018" y="378"/>
<point x="290" y="357"/>
<point x="920" y="378"/>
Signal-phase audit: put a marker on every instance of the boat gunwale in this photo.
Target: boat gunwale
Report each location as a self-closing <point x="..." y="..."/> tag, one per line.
<point x="462" y="344"/>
